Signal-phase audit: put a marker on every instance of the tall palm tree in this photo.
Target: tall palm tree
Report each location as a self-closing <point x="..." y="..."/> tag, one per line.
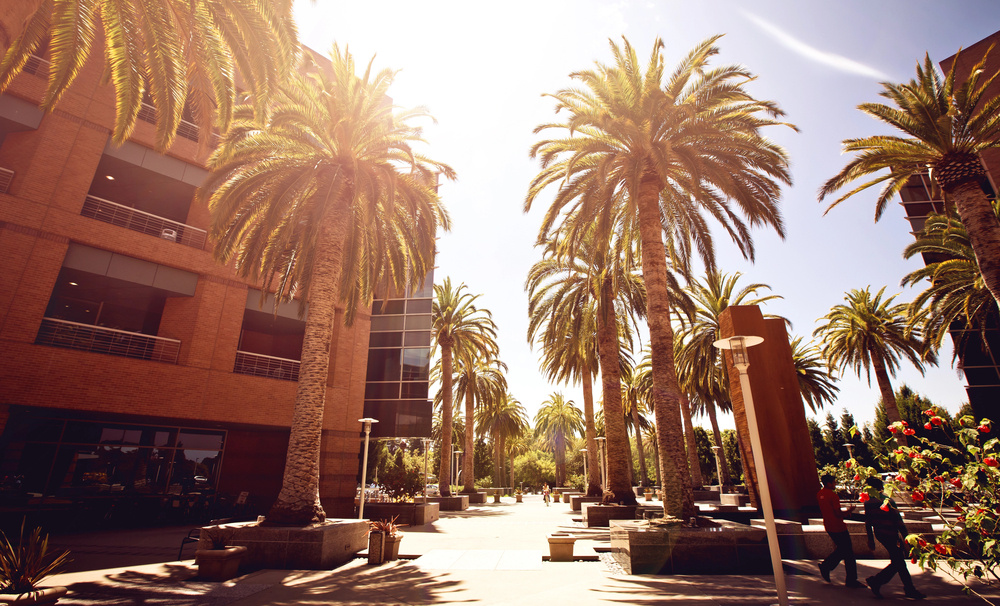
<point x="592" y="285"/>
<point x="463" y="330"/>
<point x="171" y="50"/>
<point x="503" y="419"/>
<point x="634" y="403"/>
<point x="870" y="333"/>
<point x="946" y="125"/>
<point x="644" y="372"/>
<point x="955" y="298"/>
<point x="813" y="372"/>
<point x="557" y="420"/>
<point x="697" y="355"/>
<point x="327" y="198"/>
<point x="483" y="381"/>
<point x="673" y="149"/>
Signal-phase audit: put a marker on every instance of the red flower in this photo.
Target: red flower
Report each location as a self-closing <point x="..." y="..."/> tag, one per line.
<point x="990" y="461"/>
<point x="892" y="429"/>
<point x="922" y="542"/>
<point x="984" y="428"/>
<point x="857" y="477"/>
<point x="956" y="482"/>
<point x="929" y="412"/>
<point x="938" y="479"/>
<point x="897" y="451"/>
<point x="909" y="432"/>
<point x="913" y="560"/>
<point x="918" y="495"/>
<point x="942" y="549"/>
<point x="958" y="509"/>
<point x="904" y="423"/>
<point x="913" y="454"/>
<point x="928" y="426"/>
<point x="863" y="497"/>
<point x="885" y="505"/>
<point x="847" y="464"/>
<point x="937" y="420"/>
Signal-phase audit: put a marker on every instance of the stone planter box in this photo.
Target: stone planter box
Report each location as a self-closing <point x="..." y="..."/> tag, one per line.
<point x="383" y="548"/>
<point x="458" y="502"/>
<point x="46" y="595"/>
<point x="219" y="565"/>
<point x="737" y="499"/>
<point x="409" y="514"/>
<point x="518" y="498"/>
<point x="725" y="548"/>
<point x="475" y="498"/>
<point x="576" y="503"/>
<point x="561" y="547"/>
<point x="316" y="547"/>
<point x="599" y="515"/>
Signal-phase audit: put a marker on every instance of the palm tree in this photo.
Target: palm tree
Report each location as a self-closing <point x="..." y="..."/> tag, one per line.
<point x="956" y="298"/>
<point x="586" y="296"/>
<point x="634" y="403"/>
<point x="873" y="334"/>
<point x="946" y="126"/>
<point x="461" y="330"/>
<point x="644" y="372"/>
<point x="813" y="372"/>
<point x="671" y="149"/>
<point x="328" y="198"/>
<point x="479" y="380"/>
<point x="557" y="420"/>
<point x="699" y="361"/>
<point x="173" y="51"/>
<point x="504" y="419"/>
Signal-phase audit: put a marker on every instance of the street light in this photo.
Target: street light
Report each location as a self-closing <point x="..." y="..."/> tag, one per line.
<point x="600" y="462"/>
<point x="586" y="478"/>
<point x="718" y="466"/>
<point x="367" y="421"/>
<point x="738" y="346"/>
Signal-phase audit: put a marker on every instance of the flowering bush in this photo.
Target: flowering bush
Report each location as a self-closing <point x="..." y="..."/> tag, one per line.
<point x="961" y="484"/>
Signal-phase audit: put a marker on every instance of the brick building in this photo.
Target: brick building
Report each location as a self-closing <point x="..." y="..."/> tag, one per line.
<point x="138" y="370"/>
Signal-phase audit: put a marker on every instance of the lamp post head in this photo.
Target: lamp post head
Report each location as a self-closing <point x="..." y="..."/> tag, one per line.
<point x="368" y="423"/>
<point x="583" y="450"/>
<point x="738" y="345"/>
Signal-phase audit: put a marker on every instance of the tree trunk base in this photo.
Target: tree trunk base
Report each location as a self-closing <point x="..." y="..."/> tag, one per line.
<point x="282" y="514"/>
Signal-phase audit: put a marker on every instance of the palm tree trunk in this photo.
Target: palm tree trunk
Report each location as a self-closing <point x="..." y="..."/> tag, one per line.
<point x="512" y="470"/>
<point x="614" y="423"/>
<point x="560" y="452"/>
<point x="694" y="464"/>
<point x="593" y="478"/>
<point x="298" y="501"/>
<point x="678" y="498"/>
<point x="643" y="481"/>
<point x="656" y="462"/>
<point x="726" y="479"/>
<point x="888" y="397"/>
<point x="469" y="462"/>
<point x="980" y="222"/>
<point x="444" y="474"/>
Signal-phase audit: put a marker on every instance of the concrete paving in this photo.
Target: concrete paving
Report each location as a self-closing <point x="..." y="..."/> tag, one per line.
<point x="488" y="554"/>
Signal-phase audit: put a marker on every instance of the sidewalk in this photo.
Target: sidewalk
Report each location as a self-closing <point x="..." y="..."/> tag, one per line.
<point x="489" y="554"/>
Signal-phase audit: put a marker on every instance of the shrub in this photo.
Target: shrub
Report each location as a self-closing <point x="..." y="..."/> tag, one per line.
<point x="24" y="566"/>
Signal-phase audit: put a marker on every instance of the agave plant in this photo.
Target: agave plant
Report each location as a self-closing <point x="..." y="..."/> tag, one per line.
<point x="23" y="566"/>
<point x="387" y="527"/>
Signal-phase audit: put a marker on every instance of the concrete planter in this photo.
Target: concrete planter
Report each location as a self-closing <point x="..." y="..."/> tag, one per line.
<point x="649" y="495"/>
<point x="219" y="564"/>
<point x="458" y="502"/>
<point x="561" y="547"/>
<point x="315" y="547"/>
<point x="383" y="548"/>
<point x="723" y="548"/>
<point x="600" y="515"/>
<point x="406" y="514"/>
<point x="577" y="503"/>
<point x="518" y="499"/>
<point x="47" y="595"/>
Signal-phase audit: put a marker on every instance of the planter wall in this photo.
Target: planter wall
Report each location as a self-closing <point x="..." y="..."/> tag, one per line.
<point x="46" y="595"/>
<point x="219" y="565"/>
<point x="409" y="514"/>
<point x="729" y="548"/>
<point x="600" y="515"/>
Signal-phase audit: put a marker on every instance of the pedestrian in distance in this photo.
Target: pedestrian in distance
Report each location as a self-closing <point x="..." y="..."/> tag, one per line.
<point x="545" y="493"/>
<point x="833" y="521"/>
<point x="883" y="522"/>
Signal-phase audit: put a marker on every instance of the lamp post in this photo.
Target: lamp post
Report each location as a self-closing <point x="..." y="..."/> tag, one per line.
<point x="586" y="481"/>
<point x="600" y="461"/>
<point x="741" y="360"/>
<point x="718" y="466"/>
<point x="426" y="442"/>
<point x="367" y="423"/>
<point x="458" y="453"/>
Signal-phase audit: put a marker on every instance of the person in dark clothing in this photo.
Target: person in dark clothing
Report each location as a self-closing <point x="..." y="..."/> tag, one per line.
<point x="883" y="522"/>
<point x="833" y="521"/>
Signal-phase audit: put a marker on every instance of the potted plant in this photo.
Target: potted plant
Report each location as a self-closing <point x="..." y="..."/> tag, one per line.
<point x="24" y="566"/>
<point x="383" y="541"/>
<point x="221" y="561"/>
<point x="518" y="496"/>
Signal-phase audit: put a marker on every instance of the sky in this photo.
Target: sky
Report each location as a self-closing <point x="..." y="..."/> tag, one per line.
<point x="482" y="70"/>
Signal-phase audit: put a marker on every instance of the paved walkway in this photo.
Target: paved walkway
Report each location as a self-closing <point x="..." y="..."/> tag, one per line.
<point x="489" y="554"/>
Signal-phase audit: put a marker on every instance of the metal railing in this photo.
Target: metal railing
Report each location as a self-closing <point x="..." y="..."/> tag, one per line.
<point x="86" y="337"/>
<point x="188" y="130"/>
<point x="147" y="223"/>
<point x="260" y="365"/>
<point x="6" y="176"/>
<point x="36" y="66"/>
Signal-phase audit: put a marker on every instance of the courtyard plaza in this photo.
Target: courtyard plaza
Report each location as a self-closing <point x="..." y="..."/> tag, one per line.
<point x="487" y="554"/>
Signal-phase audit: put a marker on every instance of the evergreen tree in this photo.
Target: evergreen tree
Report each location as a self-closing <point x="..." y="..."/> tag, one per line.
<point x="706" y="458"/>
<point x="731" y="448"/>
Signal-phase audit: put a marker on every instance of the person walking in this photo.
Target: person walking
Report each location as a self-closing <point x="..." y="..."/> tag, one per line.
<point x="545" y="493"/>
<point x="883" y="522"/>
<point x="833" y="521"/>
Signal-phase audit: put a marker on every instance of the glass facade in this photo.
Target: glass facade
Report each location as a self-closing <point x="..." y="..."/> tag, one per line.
<point x="399" y="354"/>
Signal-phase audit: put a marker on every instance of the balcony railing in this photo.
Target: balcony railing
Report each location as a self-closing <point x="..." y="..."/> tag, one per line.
<point x="260" y="365"/>
<point x="86" y="337"/>
<point x="188" y="130"/>
<point x="36" y="66"/>
<point x="137" y="220"/>
<point x="6" y="176"/>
